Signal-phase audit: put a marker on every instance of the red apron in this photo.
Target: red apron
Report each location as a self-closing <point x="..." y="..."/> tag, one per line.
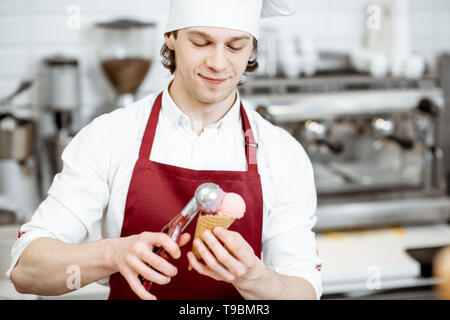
<point x="159" y="191"/>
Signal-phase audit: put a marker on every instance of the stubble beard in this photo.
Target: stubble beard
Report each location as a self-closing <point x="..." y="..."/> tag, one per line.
<point x="211" y="98"/>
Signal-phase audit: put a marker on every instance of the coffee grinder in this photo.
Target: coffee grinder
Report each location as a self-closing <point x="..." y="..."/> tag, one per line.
<point x="125" y="49"/>
<point x="60" y="118"/>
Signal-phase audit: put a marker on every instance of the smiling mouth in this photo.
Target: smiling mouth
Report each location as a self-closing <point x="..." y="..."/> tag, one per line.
<point x="213" y="80"/>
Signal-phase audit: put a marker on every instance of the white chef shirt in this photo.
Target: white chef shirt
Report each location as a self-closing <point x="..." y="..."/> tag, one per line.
<point x="86" y="200"/>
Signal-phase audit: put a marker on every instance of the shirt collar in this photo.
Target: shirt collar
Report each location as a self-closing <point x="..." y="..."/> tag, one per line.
<point x="178" y="118"/>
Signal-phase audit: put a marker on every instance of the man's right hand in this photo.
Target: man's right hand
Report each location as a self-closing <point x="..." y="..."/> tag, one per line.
<point x="134" y="256"/>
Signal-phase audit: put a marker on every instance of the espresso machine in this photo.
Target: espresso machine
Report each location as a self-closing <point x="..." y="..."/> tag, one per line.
<point x="373" y="145"/>
<point x="377" y="153"/>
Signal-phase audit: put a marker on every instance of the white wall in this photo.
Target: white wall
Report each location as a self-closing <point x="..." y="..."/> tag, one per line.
<point x="32" y="29"/>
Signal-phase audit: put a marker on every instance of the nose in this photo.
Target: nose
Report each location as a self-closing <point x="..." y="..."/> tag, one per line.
<point x="217" y="59"/>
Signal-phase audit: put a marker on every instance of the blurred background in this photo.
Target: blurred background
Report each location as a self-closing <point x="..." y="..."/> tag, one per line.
<point x="363" y="85"/>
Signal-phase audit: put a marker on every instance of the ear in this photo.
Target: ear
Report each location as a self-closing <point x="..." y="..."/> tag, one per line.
<point x="255" y="46"/>
<point x="253" y="54"/>
<point x="170" y="40"/>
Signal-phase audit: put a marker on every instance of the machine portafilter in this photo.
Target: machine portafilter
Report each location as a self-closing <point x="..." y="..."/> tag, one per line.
<point x="317" y="132"/>
<point x="385" y="128"/>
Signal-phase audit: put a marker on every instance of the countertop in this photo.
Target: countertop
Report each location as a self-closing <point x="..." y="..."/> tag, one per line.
<point x="370" y="260"/>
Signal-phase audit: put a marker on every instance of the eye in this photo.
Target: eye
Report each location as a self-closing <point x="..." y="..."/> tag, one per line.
<point x="235" y="48"/>
<point x="200" y="45"/>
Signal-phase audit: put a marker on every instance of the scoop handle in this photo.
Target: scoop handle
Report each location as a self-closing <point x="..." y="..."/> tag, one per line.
<point x="173" y="230"/>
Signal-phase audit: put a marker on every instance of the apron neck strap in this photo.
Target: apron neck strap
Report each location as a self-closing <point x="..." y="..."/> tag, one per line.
<point x="250" y="144"/>
<point x="149" y="135"/>
<point x="150" y="129"/>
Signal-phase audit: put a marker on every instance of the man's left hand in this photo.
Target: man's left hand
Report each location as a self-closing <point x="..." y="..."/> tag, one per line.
<point x="226" y="257"/>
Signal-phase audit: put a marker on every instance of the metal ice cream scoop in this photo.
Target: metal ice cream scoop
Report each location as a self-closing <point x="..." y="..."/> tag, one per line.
<point x="207" y="198"/>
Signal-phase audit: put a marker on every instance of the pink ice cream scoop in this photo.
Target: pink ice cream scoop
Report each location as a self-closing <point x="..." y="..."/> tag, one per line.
<point x="232" y="206"/>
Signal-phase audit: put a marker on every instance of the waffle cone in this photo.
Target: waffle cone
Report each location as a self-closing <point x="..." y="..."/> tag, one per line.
<point x="209" y="222"/>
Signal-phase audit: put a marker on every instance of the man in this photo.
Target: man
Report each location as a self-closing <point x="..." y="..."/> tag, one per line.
<point x="129" y="172"/>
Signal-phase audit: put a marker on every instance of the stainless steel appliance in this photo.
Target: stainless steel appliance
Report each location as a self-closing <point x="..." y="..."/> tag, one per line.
<point x="19" y="189"/>
<point x="373" y="144"/>
<point x="60" y="112"/>
<point x="377" y="147"/>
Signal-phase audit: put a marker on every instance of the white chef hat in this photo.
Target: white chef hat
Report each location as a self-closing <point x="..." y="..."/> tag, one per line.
<point x="241" y="15"/>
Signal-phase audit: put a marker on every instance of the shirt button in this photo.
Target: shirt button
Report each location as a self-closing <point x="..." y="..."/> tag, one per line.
<point x="183" y="122"/>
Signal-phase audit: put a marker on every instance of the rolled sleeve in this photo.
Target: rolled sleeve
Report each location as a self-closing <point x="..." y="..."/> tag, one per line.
<point x="289" y="244"/>
<point x="76" y="200"/>
<point x="21" y="243"/>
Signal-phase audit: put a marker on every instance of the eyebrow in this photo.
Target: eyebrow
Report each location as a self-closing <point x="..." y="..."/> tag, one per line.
<point x="232" y="39"/>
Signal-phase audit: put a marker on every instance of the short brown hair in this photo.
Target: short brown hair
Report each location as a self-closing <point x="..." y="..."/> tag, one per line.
<point x="168" y="57"/>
